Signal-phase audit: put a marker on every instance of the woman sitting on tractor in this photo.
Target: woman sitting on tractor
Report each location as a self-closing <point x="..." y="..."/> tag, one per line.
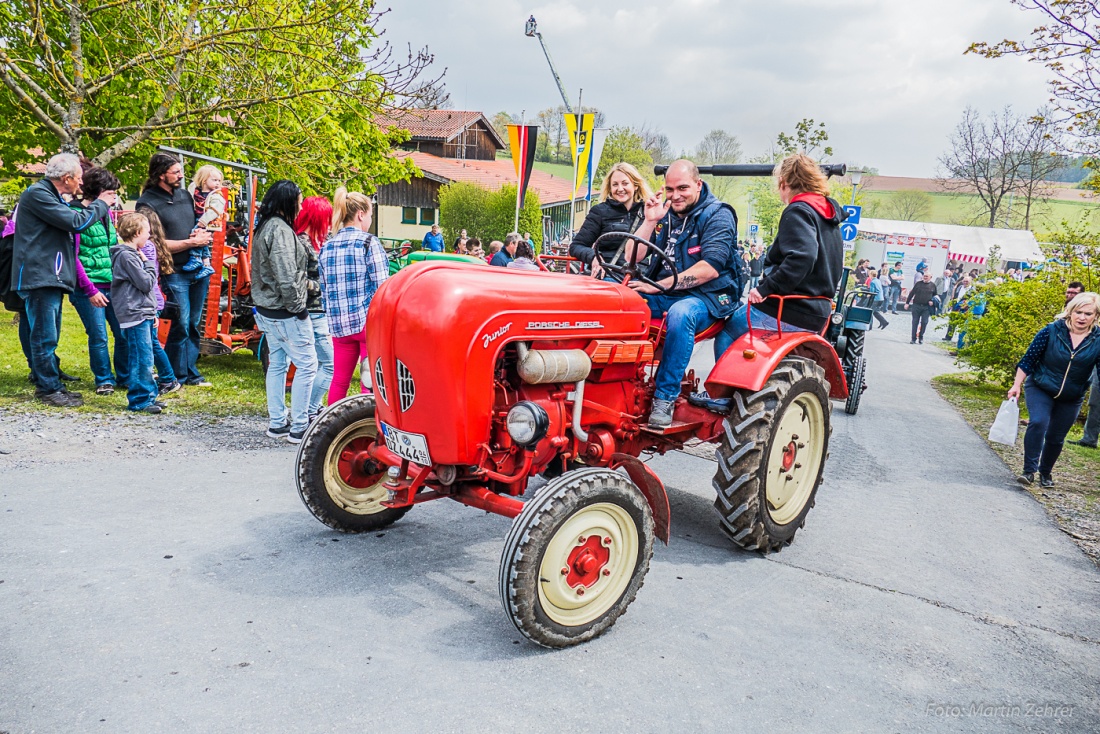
<point x="806" y="258"/>
<point x="624" y="192"/>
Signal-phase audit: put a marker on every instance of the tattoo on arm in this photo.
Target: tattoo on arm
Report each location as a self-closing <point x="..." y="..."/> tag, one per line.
<point x="686" y="281"/>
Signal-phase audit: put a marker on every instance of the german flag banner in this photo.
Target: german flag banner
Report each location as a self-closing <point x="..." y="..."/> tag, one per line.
<point x="522" y="140"/>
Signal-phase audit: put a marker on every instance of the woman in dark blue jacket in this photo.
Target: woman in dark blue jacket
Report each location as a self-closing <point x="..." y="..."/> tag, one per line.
<point x="1057" y="367"/>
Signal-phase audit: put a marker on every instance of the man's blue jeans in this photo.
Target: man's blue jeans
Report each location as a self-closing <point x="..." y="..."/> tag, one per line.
<point x="43" y="309"/>
<point x="892" y="296"/>
<point x="289" y="341"/>
<point x="687" y="316"/>
<point x="142" y="391"/>
<point x="1048" y="422"/>
<point x="737" y="326"/>
<point x="183" y="335"/>
<point x="322" y="344"/>
<point x="96" y="321"/>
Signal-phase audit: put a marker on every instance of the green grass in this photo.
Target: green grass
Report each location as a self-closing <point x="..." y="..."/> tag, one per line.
<point x="1075" y="500"/>
<point x="960" y="209"/>
<point x="561" y="170"/>
<point x="238" y="380"/>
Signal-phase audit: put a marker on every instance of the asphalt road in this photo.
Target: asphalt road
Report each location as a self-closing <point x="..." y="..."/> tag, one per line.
<point x="183" y="587"/>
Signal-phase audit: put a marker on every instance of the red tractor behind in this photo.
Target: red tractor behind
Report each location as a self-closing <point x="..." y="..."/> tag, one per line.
<point x="487" y="377"/>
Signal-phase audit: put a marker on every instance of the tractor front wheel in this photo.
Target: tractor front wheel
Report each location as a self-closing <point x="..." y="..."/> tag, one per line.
<point x="576" y="557"/>
<point x="855" y="385"/>
<point x="339" y="483"/>
<point x="772" y="456"/>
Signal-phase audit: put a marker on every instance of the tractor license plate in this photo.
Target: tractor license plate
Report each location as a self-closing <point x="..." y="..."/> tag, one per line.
<point x="411" y="446"/>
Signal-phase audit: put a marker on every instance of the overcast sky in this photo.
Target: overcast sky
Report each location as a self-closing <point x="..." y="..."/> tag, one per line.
<point x="888" y="78"/>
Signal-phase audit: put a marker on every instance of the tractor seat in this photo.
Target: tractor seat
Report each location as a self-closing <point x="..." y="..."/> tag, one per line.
<point x="657" y="329"/>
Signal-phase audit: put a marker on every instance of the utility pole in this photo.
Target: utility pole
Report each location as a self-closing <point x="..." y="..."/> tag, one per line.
<point x="531" y="30"/>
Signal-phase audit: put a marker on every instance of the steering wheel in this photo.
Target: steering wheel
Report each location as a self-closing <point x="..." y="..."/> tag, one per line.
<point x="619" y="268"/>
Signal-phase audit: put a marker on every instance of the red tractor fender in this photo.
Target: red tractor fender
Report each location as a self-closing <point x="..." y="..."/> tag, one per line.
<point x="751" y="359"/>
<point x="653" y="489"/>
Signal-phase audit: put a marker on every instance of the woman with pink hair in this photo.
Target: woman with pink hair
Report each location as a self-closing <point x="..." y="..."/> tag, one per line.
<point x="312" y="227"/>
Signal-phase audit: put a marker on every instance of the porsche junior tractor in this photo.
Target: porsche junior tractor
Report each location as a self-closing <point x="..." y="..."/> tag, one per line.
<point x="552" y="375"/>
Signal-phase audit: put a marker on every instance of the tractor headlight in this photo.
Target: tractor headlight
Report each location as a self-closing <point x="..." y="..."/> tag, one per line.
<point x="527" y="423"/>
<point x="837" y="317"/>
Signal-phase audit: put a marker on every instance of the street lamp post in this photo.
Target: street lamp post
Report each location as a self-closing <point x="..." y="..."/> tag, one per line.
<point x="857" y="176"/>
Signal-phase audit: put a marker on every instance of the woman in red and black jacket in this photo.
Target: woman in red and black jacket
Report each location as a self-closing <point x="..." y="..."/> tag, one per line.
<point x="806" y="258"/>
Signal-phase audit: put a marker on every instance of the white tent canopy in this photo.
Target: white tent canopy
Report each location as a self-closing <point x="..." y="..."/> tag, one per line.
<point x="969" y="244"/>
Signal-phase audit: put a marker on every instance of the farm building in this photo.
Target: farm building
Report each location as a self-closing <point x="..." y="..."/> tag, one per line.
<point x="449" y="146"/>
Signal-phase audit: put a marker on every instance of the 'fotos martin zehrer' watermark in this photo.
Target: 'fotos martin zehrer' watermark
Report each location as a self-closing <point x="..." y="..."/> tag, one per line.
<point x="1000" y="710"/>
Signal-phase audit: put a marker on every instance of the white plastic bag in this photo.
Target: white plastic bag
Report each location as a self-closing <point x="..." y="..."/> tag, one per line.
<point x="1007" y="425"/>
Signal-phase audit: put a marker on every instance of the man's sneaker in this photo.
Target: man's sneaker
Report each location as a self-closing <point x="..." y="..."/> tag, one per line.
<point x="62" y="399"/>
<point x="281" y="432"/>
<point x="1086" y="445"/>
<point x="152" y="409"/>
<point x="1026" y="479"/>
<point x="661" y="414"/>
<point x="70" y="393"/>
<point x="1046" y="481"/>
<point x="920" y="341"/>
<point x="295" y="436"/>
<point x="167" y="388"/>
<point x="105" y="389"/>
<point x="198" y="383"/>
<point x="66" y="377"/>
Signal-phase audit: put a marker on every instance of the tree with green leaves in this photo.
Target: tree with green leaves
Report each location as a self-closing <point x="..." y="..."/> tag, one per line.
<point x="291" y="84"/>
<point x="488" y="215"/>
<point x="625" y="145"/>
<point x="910" y="206"/>
<point x="810" y="137"/>
<point x="716" y="147"/>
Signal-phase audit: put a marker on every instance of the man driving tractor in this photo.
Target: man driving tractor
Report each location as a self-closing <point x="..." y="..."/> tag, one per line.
<point x="699" y="233"/>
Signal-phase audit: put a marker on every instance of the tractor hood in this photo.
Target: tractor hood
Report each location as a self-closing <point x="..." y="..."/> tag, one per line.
<point x="435" y="331"/>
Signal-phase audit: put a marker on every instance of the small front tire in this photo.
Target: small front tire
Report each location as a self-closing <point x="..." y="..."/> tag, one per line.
<point x="576" y="557"/>
<point x="336" y="481"/>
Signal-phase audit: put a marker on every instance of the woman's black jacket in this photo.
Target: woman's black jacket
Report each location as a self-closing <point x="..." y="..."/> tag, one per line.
<point x="607" y="216"/>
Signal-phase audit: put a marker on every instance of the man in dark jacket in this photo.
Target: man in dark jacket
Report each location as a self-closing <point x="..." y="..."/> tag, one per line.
<point x="44" y="265"/>
<point x="920" y="305"/>
<point x="507" y="253"/>
<point x="697" y="232"/>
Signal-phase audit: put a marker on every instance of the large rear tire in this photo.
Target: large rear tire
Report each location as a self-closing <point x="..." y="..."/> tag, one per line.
<point x="576" y="557"/>
<point x="339" y="486"/>
<point x="772" y="456"/>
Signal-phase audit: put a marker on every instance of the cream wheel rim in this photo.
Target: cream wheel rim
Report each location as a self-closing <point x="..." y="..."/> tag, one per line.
<point x="795" y="458"/>
<point x="365" y="500"/>
<point x="569" y="594"/>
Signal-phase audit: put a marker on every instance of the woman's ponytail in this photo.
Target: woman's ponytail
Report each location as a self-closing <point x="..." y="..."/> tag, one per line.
<point x="345" y="205"/>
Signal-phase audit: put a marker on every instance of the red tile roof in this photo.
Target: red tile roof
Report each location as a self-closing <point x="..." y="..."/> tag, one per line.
<point x="437" y="124"/>
<point x="491" y="175"/>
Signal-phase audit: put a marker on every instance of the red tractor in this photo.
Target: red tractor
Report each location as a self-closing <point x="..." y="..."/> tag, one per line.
<point x="485" y="378"/>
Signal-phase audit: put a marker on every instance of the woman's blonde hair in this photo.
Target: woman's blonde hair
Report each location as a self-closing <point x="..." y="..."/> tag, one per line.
<point x="1088" y="298"/>
<point x="203" y="175"/>
<point x="802" y="175"/>
<point x="345" y="205"/>
<point x="641" y="188"/>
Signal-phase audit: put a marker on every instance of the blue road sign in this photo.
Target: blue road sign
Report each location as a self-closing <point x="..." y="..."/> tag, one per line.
<point x="848" y="231"/>
<point x="853" y="213"/>
<point x="754" y="228"/>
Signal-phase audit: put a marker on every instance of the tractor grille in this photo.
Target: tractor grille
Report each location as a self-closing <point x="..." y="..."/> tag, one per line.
<point x="380" y="381"/>
<point x="405" y="386"/>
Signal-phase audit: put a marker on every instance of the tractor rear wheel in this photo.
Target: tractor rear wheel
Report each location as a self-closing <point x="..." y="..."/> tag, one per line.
<point x="339" y="484"/>
<point x="772" y="456"/>
<point x="855" y="385"/>
<point x="576" y="557"/>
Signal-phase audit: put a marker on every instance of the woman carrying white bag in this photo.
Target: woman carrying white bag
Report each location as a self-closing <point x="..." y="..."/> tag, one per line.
<point x="1057" y="367"/>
